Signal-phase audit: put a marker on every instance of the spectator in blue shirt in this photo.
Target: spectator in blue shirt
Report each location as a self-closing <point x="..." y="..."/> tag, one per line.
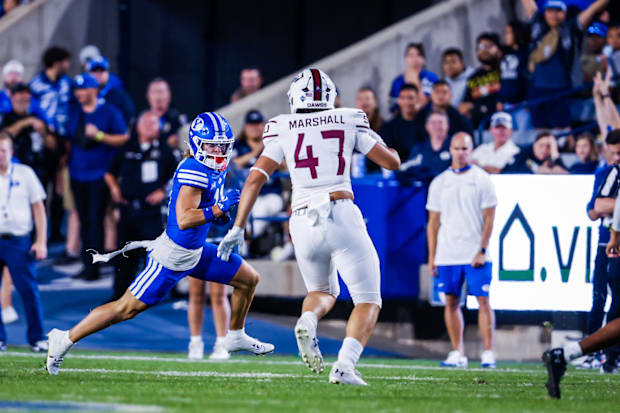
<point x="400" y="132"/>
<point x="553" y="61"/>
<point x="432" y="156"/>
<point x="98" y="67"/>
<point x="585" y="148"/>
<point x="12" y="74"/>
<point x="94" y="130"/>
<point x="90" y="52"/>
<point x="52" y="87"/>
<point x="416" y="74"/>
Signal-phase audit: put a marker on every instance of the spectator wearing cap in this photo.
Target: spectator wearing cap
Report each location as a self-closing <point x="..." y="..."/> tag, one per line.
<point x="12" y="74"/>
<point x="22" y="203"/>
<point x="494" y="156"/>
<point x="441" y="96"/>
<point x="98" y="67"/>
<point x="170" y="120"/>
<point x="52" y="87"/>
<point x="586" y="151"/>
<point x="27" y="125"/>
<point x="250" y="80"/>
<point x="400" y="132"/>
<point x="483" y="86"/>
<point x="95" y="129"/>
<point x="554" y="56"/>
<point x="455" y="73"/>
<point x="592" y="59"/>
<point x="90" y="52"/>
<point x="137" y="180"/>
<point x="249" y="148"/>
<point x="543" y="157"/>
<point x="416" y="74"/>
<point x="432" y="156"/>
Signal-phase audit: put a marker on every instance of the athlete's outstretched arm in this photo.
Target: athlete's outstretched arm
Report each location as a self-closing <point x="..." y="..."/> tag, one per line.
<point x="188" y="213"/>
<point x="384" y="157"/>
<point x="259" y="173"/>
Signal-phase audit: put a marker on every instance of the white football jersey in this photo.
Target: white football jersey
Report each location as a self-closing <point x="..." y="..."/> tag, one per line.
<point x="317" y="148"/>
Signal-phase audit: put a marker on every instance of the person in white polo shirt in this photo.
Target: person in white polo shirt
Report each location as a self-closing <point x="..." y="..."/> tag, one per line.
<point x="494" y="156"/>
<point x="461" y="208"/>
<point x="21" y="203"/>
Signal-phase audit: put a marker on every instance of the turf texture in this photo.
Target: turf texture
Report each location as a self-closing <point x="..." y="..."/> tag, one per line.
<point x="104" y="381"/>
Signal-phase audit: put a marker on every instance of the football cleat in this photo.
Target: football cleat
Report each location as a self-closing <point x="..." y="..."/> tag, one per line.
<point x="9" y="315"/>
<point x="345" y="375"/>
<point x="56" y="350"/>
<point x="308" y="345"/>
<point x="219" y="353"/>
<point x="591" y="361"/>
<point x="3" y="346"/>
<point x="487" y="359"/>
<point x="454" y="359"/>
<point x="556" y="367"/>
<point x="195" y="350"/>
<point x="39" y="346"/>
<point x="609" y="368"/>
<point x="247" y="343"/>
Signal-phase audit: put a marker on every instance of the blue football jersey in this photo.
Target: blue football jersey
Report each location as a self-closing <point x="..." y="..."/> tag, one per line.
<point x="190" y="172"/>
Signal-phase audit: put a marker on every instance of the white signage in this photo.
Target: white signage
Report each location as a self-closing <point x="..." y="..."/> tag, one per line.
<point x="543" y="244"/>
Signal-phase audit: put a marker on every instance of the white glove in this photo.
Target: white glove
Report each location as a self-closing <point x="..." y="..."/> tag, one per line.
<point x="233" y="238"/>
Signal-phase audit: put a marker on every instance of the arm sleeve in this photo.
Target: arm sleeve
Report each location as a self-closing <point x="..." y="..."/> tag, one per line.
<point x="433" y="202"/>
<point x="488" y="197"/>
<point x="609" y="186"/>
<point x="36" y="192"/>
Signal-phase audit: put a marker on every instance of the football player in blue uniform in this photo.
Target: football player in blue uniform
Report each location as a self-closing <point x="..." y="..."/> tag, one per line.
<point x="197" y="200"/>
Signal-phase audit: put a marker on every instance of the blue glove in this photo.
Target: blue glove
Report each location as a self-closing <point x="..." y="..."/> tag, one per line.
<point x="229" y="201"/>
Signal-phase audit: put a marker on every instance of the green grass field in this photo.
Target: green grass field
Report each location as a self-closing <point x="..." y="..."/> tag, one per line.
<point x="168" y="382"/>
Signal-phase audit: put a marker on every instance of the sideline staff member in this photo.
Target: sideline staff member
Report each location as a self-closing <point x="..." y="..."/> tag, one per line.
<point x="461" y="207"/>
<point x="137" y="179"/>
<point x="21" y="199"/>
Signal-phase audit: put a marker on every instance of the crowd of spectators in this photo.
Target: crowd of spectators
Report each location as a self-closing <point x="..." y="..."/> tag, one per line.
<point x="528" y="104"/>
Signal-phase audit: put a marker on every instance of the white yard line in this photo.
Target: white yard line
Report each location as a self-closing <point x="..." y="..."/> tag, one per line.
<point x="37" y="405"/>
<point x="264" y="361"/>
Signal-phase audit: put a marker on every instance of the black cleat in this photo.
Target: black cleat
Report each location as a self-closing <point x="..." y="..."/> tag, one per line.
<point x="556" y="367"/>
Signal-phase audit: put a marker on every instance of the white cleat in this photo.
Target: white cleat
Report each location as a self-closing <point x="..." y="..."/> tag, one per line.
<point x="9" y="315"/>
<point x="219" y="353"/>
<point x="487" y="359"/>
<point x="308" y="345"/>
<point x="196" y="350"/>
<point x="345" y="375"/>
<point x="247" y="343"/>
<point x="455" y="359"/>
<point x="56" y="351"/>
<point x="40" y="346"/>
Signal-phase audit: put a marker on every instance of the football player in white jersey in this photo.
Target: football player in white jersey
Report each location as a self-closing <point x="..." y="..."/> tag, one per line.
<point x="327" y="228"/>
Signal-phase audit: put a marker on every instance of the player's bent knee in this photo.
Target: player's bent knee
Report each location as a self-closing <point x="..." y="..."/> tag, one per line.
<point x="367" y="298"/>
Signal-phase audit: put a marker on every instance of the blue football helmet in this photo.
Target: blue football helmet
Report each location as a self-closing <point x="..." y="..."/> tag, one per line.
<point x="211" y="140"/>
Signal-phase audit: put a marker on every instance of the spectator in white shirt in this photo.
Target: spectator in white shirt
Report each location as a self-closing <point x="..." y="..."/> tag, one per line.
<point x="21" y="200"/>
<point x="494" y="156"/>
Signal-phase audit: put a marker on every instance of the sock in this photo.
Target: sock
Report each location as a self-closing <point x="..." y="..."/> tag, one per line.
<point x="572" y="351"/>
<point x="310" y="318"/>
<point x="350" y="352"/>
<point x="236" y="334"/>
<point x="219" y="340"/>
<point x="66" y="341"/>
<point x="193" y="339"/>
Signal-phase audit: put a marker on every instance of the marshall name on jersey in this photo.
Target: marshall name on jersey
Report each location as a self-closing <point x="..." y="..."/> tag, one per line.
<point x="318" y="147"/>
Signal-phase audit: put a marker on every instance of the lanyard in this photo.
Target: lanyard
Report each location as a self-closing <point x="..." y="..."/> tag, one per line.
<point x="461" y="170"/>
<point x="8" y="194"/>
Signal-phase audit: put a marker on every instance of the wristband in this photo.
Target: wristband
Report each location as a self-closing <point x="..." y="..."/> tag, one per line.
<point x="483" y="251"/>
<point x="99" y="136"/>
<point x="208" y="214"/>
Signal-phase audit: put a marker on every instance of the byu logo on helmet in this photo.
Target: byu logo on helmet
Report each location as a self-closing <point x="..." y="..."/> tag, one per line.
<point x="311" y="89"/>
<point x="211" y="140"/>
